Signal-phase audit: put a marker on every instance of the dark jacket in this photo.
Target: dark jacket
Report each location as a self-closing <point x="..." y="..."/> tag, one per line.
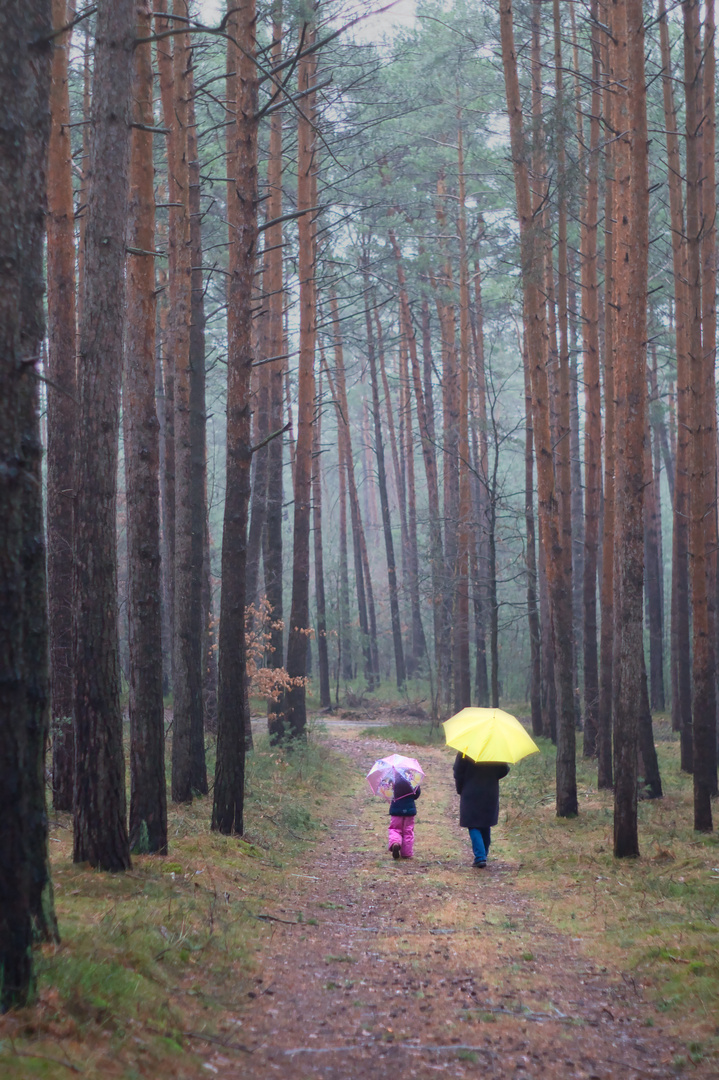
<point x="405" y="798"/>
<point x="477" y="784"/>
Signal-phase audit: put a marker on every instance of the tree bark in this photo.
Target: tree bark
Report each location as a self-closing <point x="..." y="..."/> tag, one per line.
<point x="481" y="489"/>
<point x="24" y="688"/>
<point x="62" y="417"/>
<point x="294" y="703"/>
<point x="199" y="613"/>
<point x="563" y="465"/>
<point x="680" y="642"/>
<point x="531" y="560"/>
<point x="166" y="83"/>
<point x="592" y="404"/>
<point x="631" y="261"/>
<point x="653" y="575"/>
<point x="702" y="498"/>
<point x="100" y="830"/>
<point x="651" y="781"/>
<point x="187" y="657"/>
<point x="148" y="797"/>
<point x="275" y="347"/>
<point x="425" y="422"/>
<point x="419" y="646"/>
<point x="322" y="653"/>
<point x="606" y="641"/>
<point x="559" y="587"/>
<point x="400" y="672"/>
<point x="463" y="683"/>
<point x="339" y="395"/>
<point x="35" y="628"/>
<point x="228" y="802"/>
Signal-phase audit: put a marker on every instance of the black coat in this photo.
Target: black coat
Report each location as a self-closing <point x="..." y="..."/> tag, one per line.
<point x="477" y="784"/>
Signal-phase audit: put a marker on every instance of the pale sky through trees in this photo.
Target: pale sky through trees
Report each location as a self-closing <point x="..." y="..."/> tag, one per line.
<point x="376" y="26"/>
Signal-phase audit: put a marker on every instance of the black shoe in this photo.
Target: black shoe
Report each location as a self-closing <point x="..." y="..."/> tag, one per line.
<point x="480" y="863"/>
<point x="395" y="849"/>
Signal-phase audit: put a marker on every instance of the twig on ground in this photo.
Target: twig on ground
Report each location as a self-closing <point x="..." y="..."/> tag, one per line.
<point x="219" y="1042"/>
<point x="44" y="1057"/>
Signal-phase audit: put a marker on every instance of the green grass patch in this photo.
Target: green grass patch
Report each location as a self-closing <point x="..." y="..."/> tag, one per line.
<point x="168" y="947"/>
<point x="656" y="917"/>
<point x="410" y="734"/>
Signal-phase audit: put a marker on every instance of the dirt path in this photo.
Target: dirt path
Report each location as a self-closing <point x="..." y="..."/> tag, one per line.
<point x="375" y="967"/>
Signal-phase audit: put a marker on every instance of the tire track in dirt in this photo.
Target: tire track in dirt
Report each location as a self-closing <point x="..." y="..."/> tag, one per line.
<point x="429" y="966"/>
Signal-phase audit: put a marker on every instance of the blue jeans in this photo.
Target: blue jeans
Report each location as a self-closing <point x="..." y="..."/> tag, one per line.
<point x="481" y="839"/>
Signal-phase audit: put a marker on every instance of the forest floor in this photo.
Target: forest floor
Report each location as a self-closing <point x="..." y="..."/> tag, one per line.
<point x="309" y="950"/>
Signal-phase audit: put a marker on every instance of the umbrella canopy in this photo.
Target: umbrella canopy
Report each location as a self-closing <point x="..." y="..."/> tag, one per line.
<point x="488" y="735"/>
<point x="381" y="777"/>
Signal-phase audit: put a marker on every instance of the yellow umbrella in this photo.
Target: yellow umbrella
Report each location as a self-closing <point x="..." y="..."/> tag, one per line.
<point x="488" y="735"/>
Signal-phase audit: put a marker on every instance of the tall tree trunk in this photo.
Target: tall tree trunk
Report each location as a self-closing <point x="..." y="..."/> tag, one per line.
<point x="294" y="704"/>
<point x="701" y="453"/>
<point x="272" y="557"/>
<point x="258" y="500"/>
<point x="492" y="598"/>
<point x="148" y="798"/>
<point x="478" y="541"/>
<point x="606" y="641"/>
<point x="35" y="629"/>
<point x="84" y="171"/>
<point x="531" y="559"/>
<point x="425" y="420"/>
<point x="384" y="500"/>
<point x="187" y="659"/>
<point x="709" y="335"/>
<point x="563" y="446"/>
<point x="166" y="83"/>
<point x="419" y="647"/>
<point x="651" y="781"/>
<point x="653" y="572"/>
<point x="680" y="643"/>
<point x="161" y="345"/>
<point x="463" y="683"/>
<point x="398" y="462"/>
<point x="577" y="502"/>
<point x="592" y="404"/>
<point x="100" y="829"/>
<point x="559" y="587"/>
<point x="481" y="490"/>
<point x="24" y="688"/>
<point x="62" y="418"/>
<point x="232" y="720"/>
<point x="198" y="446"/>
<point x="322" y="653"/>
<point x="345" y="643"/>
<point x="450" y="418"/>
<point x="631" y="262"/>
<point x="148" y="802"/>
<point x="339" y="395"/>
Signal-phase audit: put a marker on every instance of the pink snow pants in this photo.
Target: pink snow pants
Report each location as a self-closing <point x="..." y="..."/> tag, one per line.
<point x="401" y="831"/>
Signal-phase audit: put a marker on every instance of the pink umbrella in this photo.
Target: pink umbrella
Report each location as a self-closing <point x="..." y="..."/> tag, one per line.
<point x="381" y="777"/>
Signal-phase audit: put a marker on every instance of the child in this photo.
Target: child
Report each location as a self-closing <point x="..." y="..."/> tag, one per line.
<point x="477" y="784"/>
<point x="402" y="809"/>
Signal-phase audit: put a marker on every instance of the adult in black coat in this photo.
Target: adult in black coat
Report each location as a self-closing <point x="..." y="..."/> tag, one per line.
<point x="477" y="784"/>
